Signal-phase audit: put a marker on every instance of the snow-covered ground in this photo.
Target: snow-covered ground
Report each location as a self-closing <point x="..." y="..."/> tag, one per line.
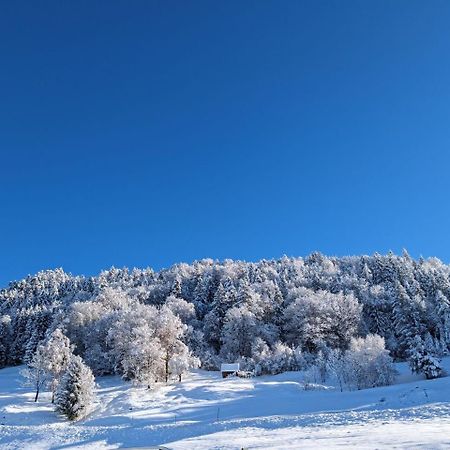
<point x="207" y="412"/>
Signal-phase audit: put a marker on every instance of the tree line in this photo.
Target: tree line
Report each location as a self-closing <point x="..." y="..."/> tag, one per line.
<point x="271" y="316"/>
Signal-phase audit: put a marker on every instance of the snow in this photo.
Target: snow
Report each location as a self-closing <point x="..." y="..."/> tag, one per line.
<point x="229" y="367"/>
<point x="209" y="412"/>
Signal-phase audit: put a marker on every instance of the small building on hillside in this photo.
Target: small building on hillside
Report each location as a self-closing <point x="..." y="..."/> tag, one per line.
<point x="229" y="369"/>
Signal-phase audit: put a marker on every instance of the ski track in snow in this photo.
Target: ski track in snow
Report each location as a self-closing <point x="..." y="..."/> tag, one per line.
<point x="207" y="412"/>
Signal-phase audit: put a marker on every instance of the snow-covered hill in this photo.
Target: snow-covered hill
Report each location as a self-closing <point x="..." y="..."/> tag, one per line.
<point x="206" y="412"/>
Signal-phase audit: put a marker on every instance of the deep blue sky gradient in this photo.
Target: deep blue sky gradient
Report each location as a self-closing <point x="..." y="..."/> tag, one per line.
<point x="144" y="133"/>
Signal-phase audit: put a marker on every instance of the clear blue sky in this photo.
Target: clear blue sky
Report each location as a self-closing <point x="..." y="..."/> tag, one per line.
<point x="144" y="133"/>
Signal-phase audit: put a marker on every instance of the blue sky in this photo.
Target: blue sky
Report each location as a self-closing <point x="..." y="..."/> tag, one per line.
<point x="144" y="133"/>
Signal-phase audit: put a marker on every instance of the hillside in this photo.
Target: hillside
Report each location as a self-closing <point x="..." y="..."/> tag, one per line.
<point x="272" y="316"/>
<point x="208" y="412"/>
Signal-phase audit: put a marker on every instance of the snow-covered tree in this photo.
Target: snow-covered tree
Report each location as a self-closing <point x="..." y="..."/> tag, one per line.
<point x="169" y="330"/>
<point x="406" y="318"/>
<point x="422" y="360"/>
<point x="57" y="352"/>
<point x="182" y="362"/>
<point x="368" y="364"/>
<point x="76" y="391"/>
<point x="36" y="373"/>
<point x="135" y="350"/>
<point x="143" y="364"/>
<point x="315" y="319"/>
<point x="279" y="358"/>
<point x="238" y="333"/>
<point x="37" y="325"/>
<point x="5" y="339"/>
<point x="181" y="308"/>
<point x="337" y="367"/>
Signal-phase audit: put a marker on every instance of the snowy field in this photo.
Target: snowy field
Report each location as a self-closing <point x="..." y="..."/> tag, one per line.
<point x="207" y="412"/>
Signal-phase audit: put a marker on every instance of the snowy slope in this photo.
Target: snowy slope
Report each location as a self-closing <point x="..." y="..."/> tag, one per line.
<point x="208" y="412"/>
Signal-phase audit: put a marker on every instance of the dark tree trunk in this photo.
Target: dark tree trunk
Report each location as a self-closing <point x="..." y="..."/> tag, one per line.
<point x="167" y="368"/>
<point x="37" y="395"/>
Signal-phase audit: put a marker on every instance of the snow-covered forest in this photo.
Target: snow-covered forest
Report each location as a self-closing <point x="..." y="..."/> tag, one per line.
<point x="271" y="316"/>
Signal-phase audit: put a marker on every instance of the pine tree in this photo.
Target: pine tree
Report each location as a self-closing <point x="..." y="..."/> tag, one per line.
<point x="422" y="360"/>
<point x="406" y="320"/>
<point x="442" y="317"/>
<point x="176" y="288"/>
<point x="5" y="338"/>
<point x="75" y="393"/>
<point x="38" y="324"/>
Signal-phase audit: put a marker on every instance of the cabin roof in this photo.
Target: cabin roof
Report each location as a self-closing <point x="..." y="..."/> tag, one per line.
<point x="229" y="367"/>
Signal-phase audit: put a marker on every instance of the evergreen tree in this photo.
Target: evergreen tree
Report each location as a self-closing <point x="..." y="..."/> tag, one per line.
<point x="75" y="393"/>
<point x="5" y="339"/>
<point x="406" y="320"/>
<point x="37" y="325"/>
<point x="422" y="360"/>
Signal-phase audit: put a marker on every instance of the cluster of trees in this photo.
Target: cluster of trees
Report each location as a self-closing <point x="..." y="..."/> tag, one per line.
<point x="364" y="364"/>
<point x="271" y="316"/>
<point x="144" y="343"/>
<point x="71" y="382"/>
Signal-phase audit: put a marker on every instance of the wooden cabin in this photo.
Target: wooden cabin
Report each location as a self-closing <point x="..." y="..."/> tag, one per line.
<point x="229" y="369"/>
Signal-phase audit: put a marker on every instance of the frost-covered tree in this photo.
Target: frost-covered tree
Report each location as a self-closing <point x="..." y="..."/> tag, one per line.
<point x="337" y="366"/>
<point x="279" y="358"/>
<point x="142" y="342"/>
<point x="282" y="358"/>
<point x="182" y="362"/>
<point x="440" y="313"/>
<point x="368" y="364"/>
<point x="406" y="318"/>
<point x="76" y="391"/>
<point x="37" y="325"/>
<point x="422" y="360"/>
<point x="57" y="352"/>
<point x="169" y="331"/>
<point x="48" y="363"/>
<point x="315" y="319"/>
<point x="238" y="333"/>
<point x="144" y="364"/>
<point x="224" y="298"/>
<point x="5" y="339"/>
<point x="135" y="350"/>
<point x="181" y="308"/>
<point x="36" y="373"/>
